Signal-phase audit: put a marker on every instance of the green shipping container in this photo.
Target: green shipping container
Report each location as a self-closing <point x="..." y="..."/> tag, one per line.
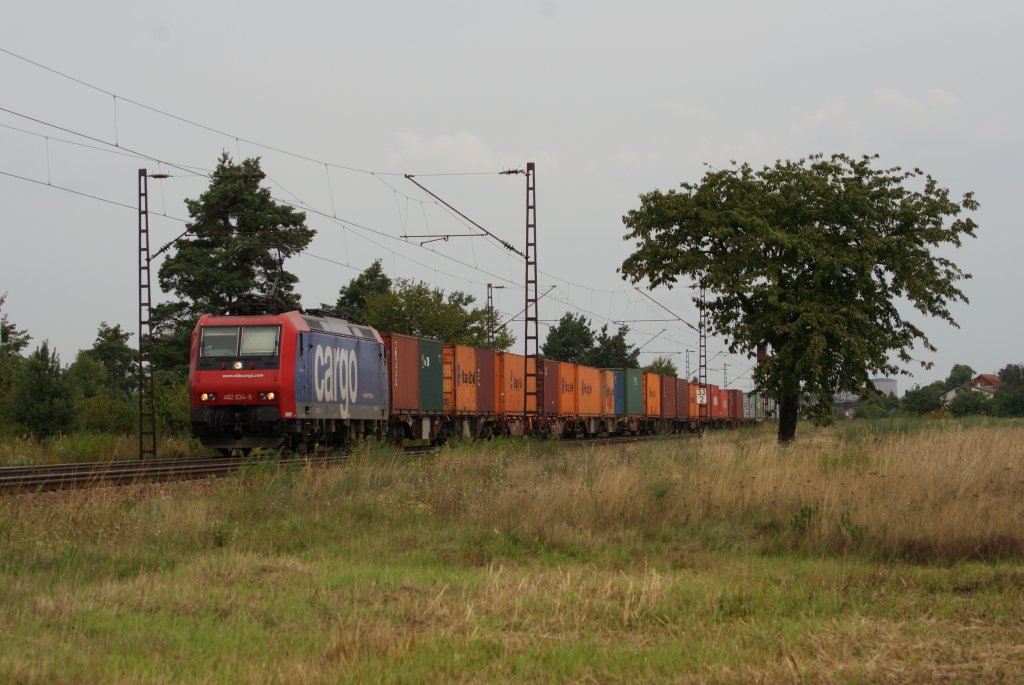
<point x="758" y="409"/>
<point x="431" y="377"/>
<point x="634" y="397"/>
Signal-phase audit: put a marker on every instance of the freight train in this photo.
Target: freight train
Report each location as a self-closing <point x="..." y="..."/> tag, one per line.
<point x="297" y="380"/>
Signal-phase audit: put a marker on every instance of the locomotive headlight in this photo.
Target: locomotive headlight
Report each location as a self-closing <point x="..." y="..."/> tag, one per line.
<point x="271" y="395"/>
<point x="263" y="395"/>
<point x="237" y="365"/>
<point x="205" y="397"/>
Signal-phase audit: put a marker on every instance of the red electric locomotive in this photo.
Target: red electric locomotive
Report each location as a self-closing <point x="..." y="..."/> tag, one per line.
<point x="285" y="380"/>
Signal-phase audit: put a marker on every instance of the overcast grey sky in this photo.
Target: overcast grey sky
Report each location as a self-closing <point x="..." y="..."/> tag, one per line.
<point x="610" y="99"/>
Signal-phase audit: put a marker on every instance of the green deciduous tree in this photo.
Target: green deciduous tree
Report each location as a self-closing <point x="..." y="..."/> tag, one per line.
<point x="612" y="351"/>
<point x="1012" y="375"/>
<point x="43" y="401"/>
<point x="970" y="403"/>
<point x="239" y="239"/>
<point x="10" y="370"/>
<point x="12" y="339"/>
<point x="875" y="405"/>
<point x="921" y="400"/>
<point x="958" y="375"/>
<point x="570" y="340"/>
<point x="416" y="308"/>
<point x="810" y="258"/>
<point x="1009" y="398"/>
<point x="663" y="366"/>
<point x="113" y="353"/>
<point x="100" y="405"/>
<point x="352" y="297"/>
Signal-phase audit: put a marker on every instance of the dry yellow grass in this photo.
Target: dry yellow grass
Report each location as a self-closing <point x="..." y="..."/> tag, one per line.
<point x="949" y="494"/>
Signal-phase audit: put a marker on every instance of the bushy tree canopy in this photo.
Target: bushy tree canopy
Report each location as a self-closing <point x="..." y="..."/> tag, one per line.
<point x="663" y="366"/>
<point x="416" y="308"/>
<point x="352" y="297"/>
<point x="12" y="339"/>
<point x="612" y="351"/>
<point x="239" y="239"/>
<point x="958" y="375"/>
<point x="43" y="400"/>
<point x="920" y="400"/>
<point x="117" y="358"/>
<point x="810" y="258"/>
<point x="570" y="340"/>
<point x="1012" y="375"/>
<point x="970" y="403"/>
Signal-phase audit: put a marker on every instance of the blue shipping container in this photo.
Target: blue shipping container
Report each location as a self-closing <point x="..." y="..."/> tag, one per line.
<point x="338" y="377"/>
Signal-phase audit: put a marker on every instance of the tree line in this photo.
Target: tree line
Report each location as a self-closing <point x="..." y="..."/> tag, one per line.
<point x="803" y="263"/>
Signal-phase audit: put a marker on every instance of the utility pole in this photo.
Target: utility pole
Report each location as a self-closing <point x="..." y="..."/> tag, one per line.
<point x="491" y="323"/>
<point x="702" y="362"/>
<point x="533" y="384"/>
<point x="687" y="374"/>
<point x="725" y="374"/>
<point x="147" y="389"/>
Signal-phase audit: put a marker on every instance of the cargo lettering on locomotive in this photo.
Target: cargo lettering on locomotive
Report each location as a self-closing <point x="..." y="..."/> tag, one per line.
<point x="336" y="376"/>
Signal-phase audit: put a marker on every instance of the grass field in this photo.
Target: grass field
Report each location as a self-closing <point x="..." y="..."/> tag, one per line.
<point x="866" y="556"/>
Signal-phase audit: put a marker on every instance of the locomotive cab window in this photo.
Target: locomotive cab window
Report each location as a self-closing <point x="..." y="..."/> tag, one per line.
<point x="259" y="341"/>
<point x="258" y="345"/>
<point x="220" y="341"/>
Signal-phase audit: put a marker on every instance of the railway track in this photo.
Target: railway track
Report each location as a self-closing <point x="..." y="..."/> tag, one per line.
<point x="40" y="478"/>
<point x="21" y="479"/>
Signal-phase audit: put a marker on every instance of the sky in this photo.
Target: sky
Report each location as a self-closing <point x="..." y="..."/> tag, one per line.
<point x="608" y="99"/>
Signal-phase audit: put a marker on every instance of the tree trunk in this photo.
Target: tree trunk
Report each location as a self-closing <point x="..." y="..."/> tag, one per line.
<point x="788" y="410"/>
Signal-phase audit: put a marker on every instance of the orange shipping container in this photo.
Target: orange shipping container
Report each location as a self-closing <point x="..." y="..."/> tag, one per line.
<point x="588" y="380"/>
<point x="511" y="375"/>
<point x="607" y="393"/>
<point x="460" y="379"/>
<point x="566" y="389"/>
<point x="652" y="394"/>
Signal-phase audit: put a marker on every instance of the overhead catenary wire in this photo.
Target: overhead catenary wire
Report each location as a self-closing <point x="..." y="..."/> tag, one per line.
<point x="297" y="204"/>
<point x="119" y="149"/>
<point x="274" y="148"/>
<point x="226" y="134"/>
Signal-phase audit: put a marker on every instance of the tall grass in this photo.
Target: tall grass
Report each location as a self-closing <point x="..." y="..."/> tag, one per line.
<point x="87" y="447"/>
<point x="954" y="493"/>
<point x="726" y="559"/>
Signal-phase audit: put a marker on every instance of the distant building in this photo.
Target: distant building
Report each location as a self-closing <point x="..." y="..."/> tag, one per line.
<point x="986" y="383"/>
<point x="886" y="386"/>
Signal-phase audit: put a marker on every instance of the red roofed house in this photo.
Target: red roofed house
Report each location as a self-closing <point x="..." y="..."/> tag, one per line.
<point x="983" y="382"/>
